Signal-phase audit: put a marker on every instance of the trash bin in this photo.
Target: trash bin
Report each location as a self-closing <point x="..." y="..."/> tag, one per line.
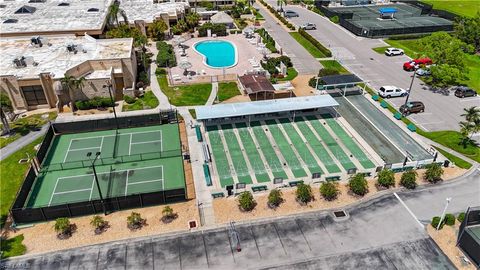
<point x="446" y="163"/>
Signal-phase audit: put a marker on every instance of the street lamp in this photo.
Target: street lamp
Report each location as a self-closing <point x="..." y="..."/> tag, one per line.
<point x="449" y="199"/>
<point x="109" y="86"/>
<point x="97" y="154"/>
<point x="410" y="89"/>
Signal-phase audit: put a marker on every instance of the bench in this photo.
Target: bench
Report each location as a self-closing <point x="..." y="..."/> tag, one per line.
<point x="218" y="195"/>
<point x="259" y="188"/>
<point x="295" y="183"/>
<point x="206" y="172"/>
<point x="397" y="115"/>
<point x="384" y="104"/>
<point x="375" y="97"/>
<point x="412" y="127"/>
<point x="332" y="178"/>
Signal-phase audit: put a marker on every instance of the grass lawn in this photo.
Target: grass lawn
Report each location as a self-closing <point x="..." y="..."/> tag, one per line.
<point x="307" y="45"/>
<point x="332" y="64"/>
<point x="458" y="161"/>
<point x="451" y="139"/>
<point x="291" y="74"/>
<point x="413" y="49"/>
<point x="148" y="101"/>
<point x="12" y="175"/>
<point x="185" y="95"/>
<point x="13" y="247"/>
<point x="227" y="90"/>
<point x="380" y="50"/>
<point x="460" y="7"/>
<point x="23" y="126"/>
<point x="193" y="113"/>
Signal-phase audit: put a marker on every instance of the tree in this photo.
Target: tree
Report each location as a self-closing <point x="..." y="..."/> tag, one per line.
<point x="135" y="221"/>
<point x="358" y="184"/>
<point x="467" y="29"/>
<point x="471" y="125"/>
<point x="445" y="75"/>
<point x="386" y="178"/>
<point x="168" y="215"/>
<point x="329" y="191"/>
<point x="246" y="202"/>
<point x="275" y="198"/>
<point x="472" y="114"/>
<point x="112" y="14"/>
<point x="442" y="48"/>
<point x="304" y="193"/>
<point x="99" y="224"/>
<point x="157" y="29"/>
<point x="192" y="19"/>
<point x="63" y="228"/>
<point x="280" y="3"/>
<point x="72" y="84"/>
<point x="434" y="173"/>
<point x="5" y="106"/>
<point x="409" y="179"/>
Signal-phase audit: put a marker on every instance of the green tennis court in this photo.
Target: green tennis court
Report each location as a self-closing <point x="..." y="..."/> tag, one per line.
<point x="131" y="161"/>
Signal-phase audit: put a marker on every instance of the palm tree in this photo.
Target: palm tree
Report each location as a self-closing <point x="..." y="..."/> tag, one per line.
<point x="280" y="3"/>
<point x="192" y="19"/>
<point x="466" y="129"/>
<point x="5" y="105"/>
<point x="72" y="84"/>
<point x="472" y="114"/>
<point x="113" y="11"/>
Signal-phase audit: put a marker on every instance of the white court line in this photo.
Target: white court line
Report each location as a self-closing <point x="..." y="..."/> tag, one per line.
<point x="72" y="191"/>
<point x="148" y="181"/>
<point x="126" y="184"/>
<point x="146" y="142"/>
<point x="101" y="143"/>
<point x="80" y="149"/>
<point x="51" y="197"/>
<point x="409" y="211"/>
<point x="68" y="150"/>
<point x="130" y="145"/>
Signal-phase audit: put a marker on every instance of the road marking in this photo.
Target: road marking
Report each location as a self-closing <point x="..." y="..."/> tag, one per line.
<point x="470" y="99"/>
<point x="409" y="211"/>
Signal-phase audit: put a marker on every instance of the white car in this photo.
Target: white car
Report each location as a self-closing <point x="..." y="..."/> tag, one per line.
<point x="423" y="71"/>
<point x="389" y="91"/>
<point x="394" y="51"/>
<point x="308" y="26"/>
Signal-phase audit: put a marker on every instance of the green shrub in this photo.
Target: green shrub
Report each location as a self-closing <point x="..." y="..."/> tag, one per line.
<point x="216" y="28"/>
<point x="168" y="215"/>
<point x="129" y="99"/>
<point x="386" y="178"/>
<point x="63" y="228"/>
<point x="135" y="221"/>
<point x="99" y="224"/>
<point x="312" y="82"/>
<point x="409" y="179"/>
<point x="450" y="219"/>
<point x="435" y="221"/>
<point x="434" y="173"/>
<point x="94" y="103"/>
<point x="408" y="36"/>
<point x="246" y="202"/>
<point x="461" y="217"/>
<point x="160" y="71"/>
<point x="304" y="193"/>
<point x="12" y="247"/>
<point x="166" y="55"/>
<point x="329" y="191"/>
<point x="315" y="42"/>
<point x="358" y="184"/>
<point x="335" y="19"/>
<point x="143" y="77"/>
<point x="275" y="198"/>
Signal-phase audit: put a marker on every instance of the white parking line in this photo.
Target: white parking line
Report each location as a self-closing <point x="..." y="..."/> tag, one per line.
<point x="470" y="99"/>
<point x="409" y="211"/>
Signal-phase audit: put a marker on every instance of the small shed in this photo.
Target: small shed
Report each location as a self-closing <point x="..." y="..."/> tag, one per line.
<point x="223" y="18"/>
<point x="256" y="87"/>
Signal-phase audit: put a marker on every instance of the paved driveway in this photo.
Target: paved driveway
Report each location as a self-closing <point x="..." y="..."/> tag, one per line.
<point x="370" y="238"/>
<point x="302" y="60"/>
<point x="442" y="112"/>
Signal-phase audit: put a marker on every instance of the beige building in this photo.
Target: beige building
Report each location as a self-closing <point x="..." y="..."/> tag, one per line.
<point x="29" y="68"/>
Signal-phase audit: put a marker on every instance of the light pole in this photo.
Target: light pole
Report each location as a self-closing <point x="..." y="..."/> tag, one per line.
<point x="410" y="89"/>
<point x="444" y="211"/>
<point x="109" y="87"/>
<point x="97" y="154"/>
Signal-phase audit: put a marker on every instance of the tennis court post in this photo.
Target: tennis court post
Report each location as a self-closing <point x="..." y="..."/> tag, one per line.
<point x="97" y="154"/>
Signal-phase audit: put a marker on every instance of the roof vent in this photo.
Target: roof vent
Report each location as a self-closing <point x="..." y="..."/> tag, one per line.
<point x="93" y="10"/>
<point x="63" y="4"/>
<point x="20" y="62"/>
<point x="3" y="6"/>
<point x="36" y="1"/>
<point x="72" y="48"/>
<point x="10" y="21"/>
<point x="25" y="10"/>
<point x="36" y="41"/>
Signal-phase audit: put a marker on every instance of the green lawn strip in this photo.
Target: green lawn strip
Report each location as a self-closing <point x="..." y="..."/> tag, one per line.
<point x="461" y="7"/>
<point x="267" y="150"/>
<point x="334" y="147"/>
<point x="236" y="155"/>
<point x="254" y="157"/>
<point x="286" y="149"/>
<point x="301" y="147"/>
<point x="473" y="64"/>
<point x="193" y="113"/>
<point x="147" y="101"/>
<point x="380" y="50"/>
<point x="412" y="47"/>
<point x="185" y="95"/>
<point x="292" y="73"/>
<point x="317" y="146"/>
<point x="458" y="161"/>
<point x="13" y="247"/>
<point x="12" y="174"/>
<point x="351" y="145"/>
<point x="314" y="51"/>
<point x="24" y="125"/>
<point x="227" y="90"/>
<point x="332" y="64"/>
<point x="221" y="161"/>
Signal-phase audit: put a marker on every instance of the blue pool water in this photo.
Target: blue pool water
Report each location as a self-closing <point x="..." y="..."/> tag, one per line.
<point x="218" y="53"/>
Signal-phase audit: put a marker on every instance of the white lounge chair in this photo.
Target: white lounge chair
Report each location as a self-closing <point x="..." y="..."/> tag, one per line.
<point x="203" y="72"/>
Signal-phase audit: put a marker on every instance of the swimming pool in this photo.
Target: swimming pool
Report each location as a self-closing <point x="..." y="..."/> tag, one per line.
<point x="217" y="53"/>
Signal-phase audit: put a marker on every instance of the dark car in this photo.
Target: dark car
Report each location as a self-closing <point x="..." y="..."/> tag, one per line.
<point x="412" y="107"/>
<point x="463" y="91"/>
<point x="290" y="14"/>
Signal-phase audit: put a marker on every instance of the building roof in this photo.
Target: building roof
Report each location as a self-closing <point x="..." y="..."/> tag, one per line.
<point x="256" y="83"/>
<point x="221" y="17"/>
<point x="51" y="16"/>
<point x="264" y="106"/>
<point x="54" y="57"/>
<point x="148" y="11"/>
<point x="340" y="79"/>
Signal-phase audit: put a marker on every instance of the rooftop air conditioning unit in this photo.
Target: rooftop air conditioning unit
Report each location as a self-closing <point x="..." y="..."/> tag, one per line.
<point x="72" y="48"/>
<point x="19" y="62"/>
<point x="37" y="41"/>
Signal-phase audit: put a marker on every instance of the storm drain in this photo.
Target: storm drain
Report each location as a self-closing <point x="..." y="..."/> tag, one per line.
<point x="340" y="215"/>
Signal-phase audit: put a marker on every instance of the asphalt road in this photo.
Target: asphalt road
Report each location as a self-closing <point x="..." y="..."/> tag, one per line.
<point x="378" y="234"/>
<point x="442" y="112"/>
<point x="302" y="60"/>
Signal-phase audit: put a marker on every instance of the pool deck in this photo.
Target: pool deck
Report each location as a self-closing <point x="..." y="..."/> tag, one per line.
<point x="246" y="51"/>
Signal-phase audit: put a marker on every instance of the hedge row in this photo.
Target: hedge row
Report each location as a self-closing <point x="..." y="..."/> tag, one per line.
<point x="315" y="42"/>
<point x="278" y="15"/>
<point x="267" y="39"/>
<point x="94" y="103"/>
<point x="166" y="55"/>
<point x="216" y="28"/>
